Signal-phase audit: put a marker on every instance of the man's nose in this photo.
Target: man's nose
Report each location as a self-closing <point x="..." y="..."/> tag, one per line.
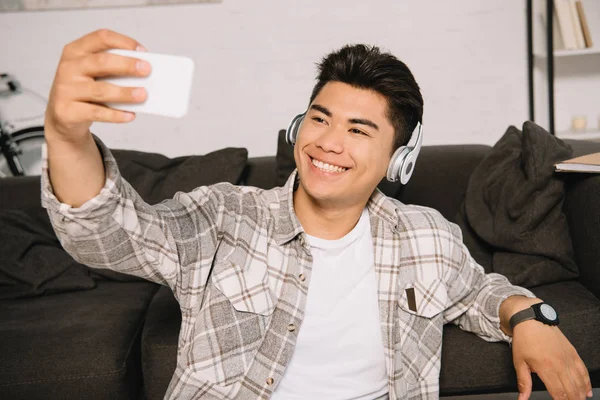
<point x="332" y="140"/>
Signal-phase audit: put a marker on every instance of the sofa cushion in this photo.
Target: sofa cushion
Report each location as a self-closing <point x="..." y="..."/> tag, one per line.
<point x="514" y="203"/>
<point x="159" y="343"/>
<point x="464" y="354"/>
<point x="74" y="345"/>
<point x="156" y="177"/>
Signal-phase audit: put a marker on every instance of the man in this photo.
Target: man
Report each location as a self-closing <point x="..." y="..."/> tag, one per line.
<point x="324" y="288"/>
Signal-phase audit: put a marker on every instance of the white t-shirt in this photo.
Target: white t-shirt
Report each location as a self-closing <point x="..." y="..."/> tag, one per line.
<point x="339" y="352"/>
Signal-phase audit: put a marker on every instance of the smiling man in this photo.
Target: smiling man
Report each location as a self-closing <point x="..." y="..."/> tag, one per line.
<point x="343" y="151"/>
<point x="321" y="289"/>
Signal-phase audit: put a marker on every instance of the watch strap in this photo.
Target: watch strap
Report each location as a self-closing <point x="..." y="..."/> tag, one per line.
<point x="521" y="316"/>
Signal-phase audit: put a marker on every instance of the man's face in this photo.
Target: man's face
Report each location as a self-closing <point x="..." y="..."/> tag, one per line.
<point x="344" y="145"/>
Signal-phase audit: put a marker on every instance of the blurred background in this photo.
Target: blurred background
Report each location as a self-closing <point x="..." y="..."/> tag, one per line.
<point x="255" y="65"/>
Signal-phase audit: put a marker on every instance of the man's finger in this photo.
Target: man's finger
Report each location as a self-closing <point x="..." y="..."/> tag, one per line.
<point x="103" y="92"/>
<point x="553" y="385"/>
<point x="579" y="379"/>
<point x="569" y="380"/>
<point x="82" y="112"/>
<point x="107" y="64"/>
<point x="523" y="380"/>
<point x="100" y="40"/>
<point x="584" y="374"/>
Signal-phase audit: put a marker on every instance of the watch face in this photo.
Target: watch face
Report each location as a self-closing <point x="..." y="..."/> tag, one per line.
<point x="548" y="312"/>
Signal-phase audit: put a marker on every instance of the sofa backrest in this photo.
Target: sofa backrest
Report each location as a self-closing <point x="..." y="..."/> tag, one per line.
<point x="441" y="177"/>
<point x="260" y="172"/>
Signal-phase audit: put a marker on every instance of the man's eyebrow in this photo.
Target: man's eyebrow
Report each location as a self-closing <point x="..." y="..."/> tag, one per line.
<point x="361" y="121"/>
<point x="321" y="109"/>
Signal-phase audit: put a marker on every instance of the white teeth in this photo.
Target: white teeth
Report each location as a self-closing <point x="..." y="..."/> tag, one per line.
<point x="327" y="167"/>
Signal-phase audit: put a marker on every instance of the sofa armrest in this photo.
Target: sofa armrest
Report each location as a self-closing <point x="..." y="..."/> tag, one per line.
<point x="20" y="192"/>
<point x="260" y="172"/>
<point x="582" y="208"/>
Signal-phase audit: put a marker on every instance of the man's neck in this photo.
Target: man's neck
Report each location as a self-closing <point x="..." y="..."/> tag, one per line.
<point x="325" y="220"/>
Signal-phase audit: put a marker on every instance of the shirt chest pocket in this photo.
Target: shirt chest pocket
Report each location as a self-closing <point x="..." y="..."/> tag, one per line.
<point x="425" y="298"/>
<point x="418" y="340"/>
<point x="247" y="289"/>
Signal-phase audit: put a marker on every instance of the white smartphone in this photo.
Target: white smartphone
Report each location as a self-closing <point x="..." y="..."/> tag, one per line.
<point x="168" y="86"/>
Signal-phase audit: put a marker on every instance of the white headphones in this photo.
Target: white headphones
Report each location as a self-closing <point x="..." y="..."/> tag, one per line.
<point x="402" y="163"/>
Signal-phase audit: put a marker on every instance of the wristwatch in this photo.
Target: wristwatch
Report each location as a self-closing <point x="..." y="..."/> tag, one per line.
<point x="542" y="312"/>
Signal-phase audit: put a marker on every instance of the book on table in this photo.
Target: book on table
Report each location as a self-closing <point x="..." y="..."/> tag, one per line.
<point x="589" y="163"/>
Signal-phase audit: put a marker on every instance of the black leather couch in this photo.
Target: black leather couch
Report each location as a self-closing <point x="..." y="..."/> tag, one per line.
<point x="119" y="340"/>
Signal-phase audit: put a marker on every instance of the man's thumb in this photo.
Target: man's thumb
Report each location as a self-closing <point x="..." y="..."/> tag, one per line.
<point x="523" y="380"/>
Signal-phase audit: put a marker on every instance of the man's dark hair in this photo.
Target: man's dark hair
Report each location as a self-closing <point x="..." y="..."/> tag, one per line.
<point x="366" y="67"/>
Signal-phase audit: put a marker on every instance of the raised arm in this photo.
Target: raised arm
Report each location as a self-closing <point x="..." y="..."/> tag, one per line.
<point x="75" y="164"/>
<point x="99" y="218"/>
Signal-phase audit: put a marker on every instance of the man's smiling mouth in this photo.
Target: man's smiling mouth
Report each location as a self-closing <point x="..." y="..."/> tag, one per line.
<point x="325" y="167"/>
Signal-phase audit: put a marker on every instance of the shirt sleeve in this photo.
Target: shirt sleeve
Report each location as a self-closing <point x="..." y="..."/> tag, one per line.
<point x="171" y="243"/>
<point x="474" y="296"/>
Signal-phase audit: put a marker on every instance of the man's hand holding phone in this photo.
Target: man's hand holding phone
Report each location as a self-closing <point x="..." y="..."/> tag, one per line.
<point x="77" y="96"/>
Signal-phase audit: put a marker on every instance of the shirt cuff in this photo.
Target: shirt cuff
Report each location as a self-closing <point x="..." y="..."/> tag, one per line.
<point x="506" y="293"/>
<point x="110" y="192"/>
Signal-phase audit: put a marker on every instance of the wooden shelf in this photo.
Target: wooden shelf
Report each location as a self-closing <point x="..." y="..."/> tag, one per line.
<point x="570" y="53"/>
<point x="586" y="135"/>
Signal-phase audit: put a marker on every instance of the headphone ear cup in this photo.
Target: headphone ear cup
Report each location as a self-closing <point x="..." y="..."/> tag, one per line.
<point x="396" y="166"/>
<point x="292" y="131"/>
<point x="408" y="167"/>
<point x="402" y="163"/>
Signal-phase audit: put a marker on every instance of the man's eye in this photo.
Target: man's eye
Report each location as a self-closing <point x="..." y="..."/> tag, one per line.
<point x="358" y="131"/>
<point x="319" y="120"/>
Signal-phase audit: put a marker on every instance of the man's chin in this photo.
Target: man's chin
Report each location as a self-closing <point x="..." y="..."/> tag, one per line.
<point x="321" y="192"/>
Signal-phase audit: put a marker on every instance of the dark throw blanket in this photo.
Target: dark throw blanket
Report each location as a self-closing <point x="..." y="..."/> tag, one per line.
<point x="513" y="209"/>
<point x="32" y="260"/>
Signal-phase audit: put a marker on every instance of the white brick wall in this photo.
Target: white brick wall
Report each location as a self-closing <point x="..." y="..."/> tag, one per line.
<point x="255" y="63"/>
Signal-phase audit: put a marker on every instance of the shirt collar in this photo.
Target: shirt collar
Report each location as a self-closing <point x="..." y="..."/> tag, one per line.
<point x="287" y="225"/>
<point x="384" y="208"/>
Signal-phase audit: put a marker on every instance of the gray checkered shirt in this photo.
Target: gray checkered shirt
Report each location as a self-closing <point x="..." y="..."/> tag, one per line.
<point x="238" y="263"/>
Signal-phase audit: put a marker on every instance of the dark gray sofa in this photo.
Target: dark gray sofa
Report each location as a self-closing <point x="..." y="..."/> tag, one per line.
<point x="119" y="340"/>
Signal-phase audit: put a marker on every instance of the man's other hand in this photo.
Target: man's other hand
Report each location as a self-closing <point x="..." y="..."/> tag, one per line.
<point x="545" y="350"/>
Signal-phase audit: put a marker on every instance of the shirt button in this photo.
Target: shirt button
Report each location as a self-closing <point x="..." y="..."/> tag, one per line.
<point x="291" y="327"/>
<point x="270" y="381"/>
<point x="302" y="277"/>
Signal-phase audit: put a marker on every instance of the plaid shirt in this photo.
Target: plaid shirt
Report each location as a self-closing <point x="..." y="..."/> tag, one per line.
<point x="239" y="264"/>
